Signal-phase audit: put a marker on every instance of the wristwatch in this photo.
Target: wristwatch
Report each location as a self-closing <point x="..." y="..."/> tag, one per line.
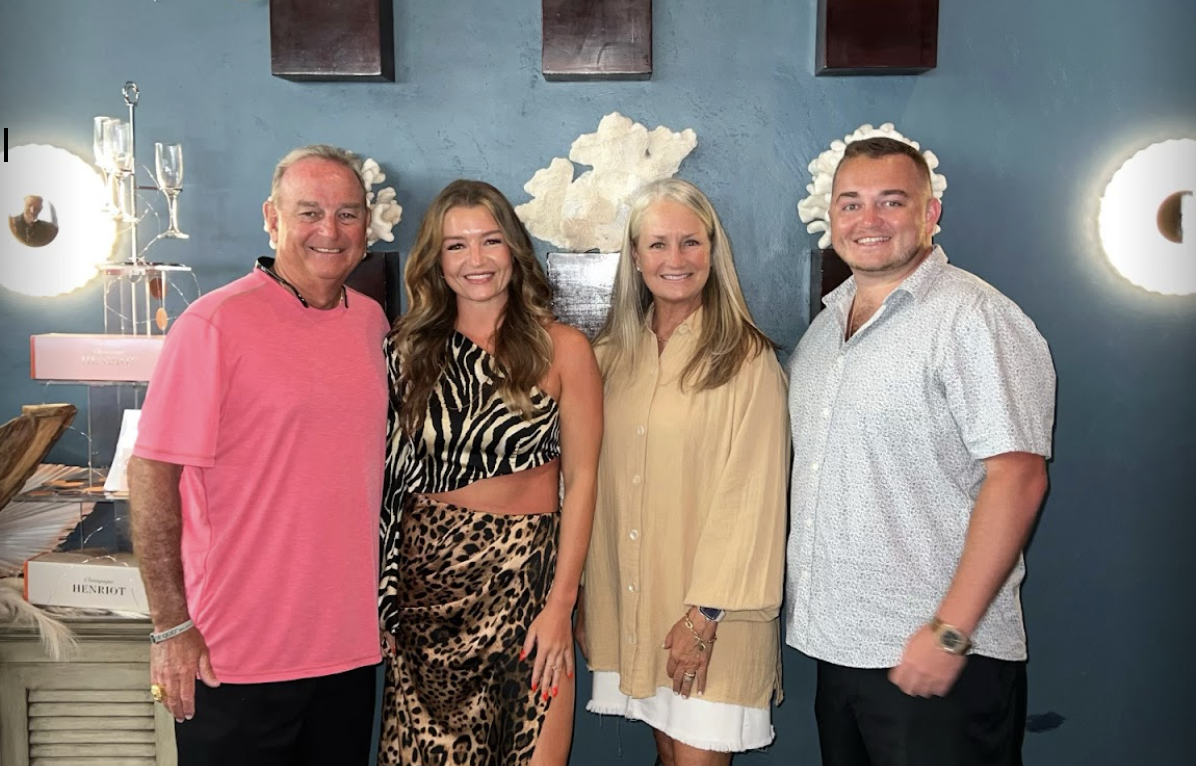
<point x="949" y="638"/>
<point x="711" y="614"/>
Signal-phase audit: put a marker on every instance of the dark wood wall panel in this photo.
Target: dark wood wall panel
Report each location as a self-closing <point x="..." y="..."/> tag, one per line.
<point x="597" y="39"/>
<point x="827" y="271"/>
<point x="380" y="277"/>
<point x="877" y="36"/>
<point x="332" y="39"/>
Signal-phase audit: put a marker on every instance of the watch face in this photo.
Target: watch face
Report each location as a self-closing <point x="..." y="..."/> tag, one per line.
<point x="951" y="640"/>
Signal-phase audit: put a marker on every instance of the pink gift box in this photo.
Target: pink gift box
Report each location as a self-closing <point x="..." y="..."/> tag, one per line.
<point x="93" y="357"/>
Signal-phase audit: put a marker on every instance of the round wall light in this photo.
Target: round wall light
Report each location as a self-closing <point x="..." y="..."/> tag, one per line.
<point x="1148" y="218"/>
<point x="57" y="230"/>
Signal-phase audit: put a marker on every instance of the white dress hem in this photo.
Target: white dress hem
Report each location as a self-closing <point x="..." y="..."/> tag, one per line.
<point x="720" y="727"/>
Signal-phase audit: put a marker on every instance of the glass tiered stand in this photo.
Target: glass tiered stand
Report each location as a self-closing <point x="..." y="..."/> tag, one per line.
<point x="141" y="298"/>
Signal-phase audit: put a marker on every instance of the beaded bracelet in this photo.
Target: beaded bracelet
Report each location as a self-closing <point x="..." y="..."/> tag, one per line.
<point x="702" y="642"/>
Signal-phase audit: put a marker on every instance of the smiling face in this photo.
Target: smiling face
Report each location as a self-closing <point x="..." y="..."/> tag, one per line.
<point x="474" y="256"/>
<point x="318" y="219"/>
<point x="33" y="208"/>
<point x="672" y="251"/>
<point x="882" y="216"/>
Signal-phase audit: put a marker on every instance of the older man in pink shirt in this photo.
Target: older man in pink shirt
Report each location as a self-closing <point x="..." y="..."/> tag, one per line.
<point x="256" y="486"/>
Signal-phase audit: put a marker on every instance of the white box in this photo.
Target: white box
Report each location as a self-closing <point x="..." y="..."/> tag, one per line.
<point x="89" y="580"/>
<point x="93" y="357"/>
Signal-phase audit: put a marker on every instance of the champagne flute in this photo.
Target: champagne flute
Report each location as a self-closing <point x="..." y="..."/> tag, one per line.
<point x="104" y="162"/>
<point x="118" y="143"/>
<point x="168" y="161"/>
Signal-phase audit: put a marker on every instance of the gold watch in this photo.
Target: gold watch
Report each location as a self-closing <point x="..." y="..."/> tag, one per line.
<point x="949" y="638"/>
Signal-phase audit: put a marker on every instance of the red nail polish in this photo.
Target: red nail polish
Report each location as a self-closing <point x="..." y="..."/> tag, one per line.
<point x="570" y="674"/>
<point x="554" y="691"/>
<point x="534" y="685"/>
<point x="522" y="653"/>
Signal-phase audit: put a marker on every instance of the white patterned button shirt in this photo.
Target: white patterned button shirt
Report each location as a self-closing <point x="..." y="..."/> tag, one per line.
<point x="890" y="429"/>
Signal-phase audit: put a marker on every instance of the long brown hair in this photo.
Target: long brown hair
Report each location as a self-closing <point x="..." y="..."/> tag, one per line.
<point x="522" y="346"/>
<point x="729" y="336"/>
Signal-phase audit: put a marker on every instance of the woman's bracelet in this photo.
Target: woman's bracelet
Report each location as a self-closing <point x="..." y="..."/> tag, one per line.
<point x="703" y="643"/>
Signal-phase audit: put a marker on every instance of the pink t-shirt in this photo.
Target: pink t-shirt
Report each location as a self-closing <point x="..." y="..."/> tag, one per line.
<point x="278" y="414"/>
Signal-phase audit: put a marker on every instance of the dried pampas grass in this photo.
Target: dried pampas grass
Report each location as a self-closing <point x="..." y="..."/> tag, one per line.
<point x="57" y="638"/>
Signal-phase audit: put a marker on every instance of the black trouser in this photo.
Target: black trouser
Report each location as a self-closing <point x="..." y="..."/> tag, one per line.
<point x="322" y="721"/>
<point x="864" y="720"/>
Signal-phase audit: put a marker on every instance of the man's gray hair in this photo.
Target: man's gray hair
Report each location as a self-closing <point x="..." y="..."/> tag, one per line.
<point x="322" y="151"/>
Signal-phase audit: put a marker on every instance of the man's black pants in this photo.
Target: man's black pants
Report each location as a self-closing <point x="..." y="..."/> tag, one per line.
<point x="318" y="721"/>
<point x="864" y="720"/>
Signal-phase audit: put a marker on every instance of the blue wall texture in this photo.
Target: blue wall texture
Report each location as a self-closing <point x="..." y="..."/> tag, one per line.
<point x="1033" y="105"/>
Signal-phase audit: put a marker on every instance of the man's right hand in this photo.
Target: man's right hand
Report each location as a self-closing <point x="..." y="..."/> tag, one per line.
<point x="174" y="665"/>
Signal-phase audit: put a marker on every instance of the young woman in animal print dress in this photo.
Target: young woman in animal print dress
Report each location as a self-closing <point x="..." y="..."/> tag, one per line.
<point x="494" y="403"/>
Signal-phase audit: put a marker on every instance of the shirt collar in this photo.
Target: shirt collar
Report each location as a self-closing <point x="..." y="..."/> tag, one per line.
<point x="916" y="284"/>
<point x="919" y="282"/>
<point x="265" y="264"/>
<point x="691" y="325"/>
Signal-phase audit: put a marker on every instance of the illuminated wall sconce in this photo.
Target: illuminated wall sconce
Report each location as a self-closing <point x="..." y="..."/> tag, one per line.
<point x="1148" y="218"/>
<point x="58" y="231"/>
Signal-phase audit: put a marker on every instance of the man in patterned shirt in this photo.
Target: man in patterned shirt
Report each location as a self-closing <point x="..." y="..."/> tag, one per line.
<point x="922" y="405"/>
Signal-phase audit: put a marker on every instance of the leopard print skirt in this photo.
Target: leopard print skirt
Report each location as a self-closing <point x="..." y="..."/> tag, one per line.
<point x="470" y="584"/>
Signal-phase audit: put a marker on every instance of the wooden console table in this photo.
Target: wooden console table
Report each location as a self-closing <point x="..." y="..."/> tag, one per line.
<point x="92" y="710"/>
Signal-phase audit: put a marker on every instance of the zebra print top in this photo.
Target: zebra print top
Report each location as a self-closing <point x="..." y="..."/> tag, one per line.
<point x="469" y="434"/>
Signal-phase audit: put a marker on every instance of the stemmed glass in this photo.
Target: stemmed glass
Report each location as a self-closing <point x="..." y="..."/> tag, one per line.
<point x="168" y="160"/>
<point x="104" y="162"/>
<point x="118" y="146"/>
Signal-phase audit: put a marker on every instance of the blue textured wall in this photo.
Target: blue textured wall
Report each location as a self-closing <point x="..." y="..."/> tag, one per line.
<point x="1034" y="104"/>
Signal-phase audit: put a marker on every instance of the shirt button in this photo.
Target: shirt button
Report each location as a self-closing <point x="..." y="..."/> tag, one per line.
<point x="809" y="523"/>
<point x="631" y="640"/>
<point x="631" y="588"/>
<point x="813" y="468"/>
<point x="637" y="479"/>
<point x="805" y="574"/>
<point x="826" y="412"/>
<point x="839" y="362"/>
<point x="640" y="431"/>
<point x="634" y="534"/>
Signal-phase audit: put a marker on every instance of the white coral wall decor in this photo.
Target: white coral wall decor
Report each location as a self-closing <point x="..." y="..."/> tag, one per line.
<point x="385" y="211"/>
<point x="814" y="210"/>
<point x="590" y="211"/>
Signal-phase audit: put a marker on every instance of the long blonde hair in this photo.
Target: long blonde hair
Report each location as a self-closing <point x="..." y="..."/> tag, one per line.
<point x="522" y="346"/>
<point x="729" y="336"/>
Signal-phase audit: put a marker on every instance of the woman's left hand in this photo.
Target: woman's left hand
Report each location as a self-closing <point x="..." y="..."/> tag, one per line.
<point x="687" y="663"/>
<point x="551" y="636"/>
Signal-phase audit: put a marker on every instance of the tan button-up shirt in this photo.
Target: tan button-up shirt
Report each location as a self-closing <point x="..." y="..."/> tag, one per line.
<point x="691" y="512"/>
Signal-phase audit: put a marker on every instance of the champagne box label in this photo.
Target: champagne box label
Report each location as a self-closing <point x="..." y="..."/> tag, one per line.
<point x="88" y="580"/>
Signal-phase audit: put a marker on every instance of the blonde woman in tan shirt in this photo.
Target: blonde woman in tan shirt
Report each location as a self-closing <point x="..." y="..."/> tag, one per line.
<point x="683" y="580"/>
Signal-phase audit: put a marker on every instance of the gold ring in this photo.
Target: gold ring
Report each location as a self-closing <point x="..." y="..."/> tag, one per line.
<point x="157" y="692"/>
